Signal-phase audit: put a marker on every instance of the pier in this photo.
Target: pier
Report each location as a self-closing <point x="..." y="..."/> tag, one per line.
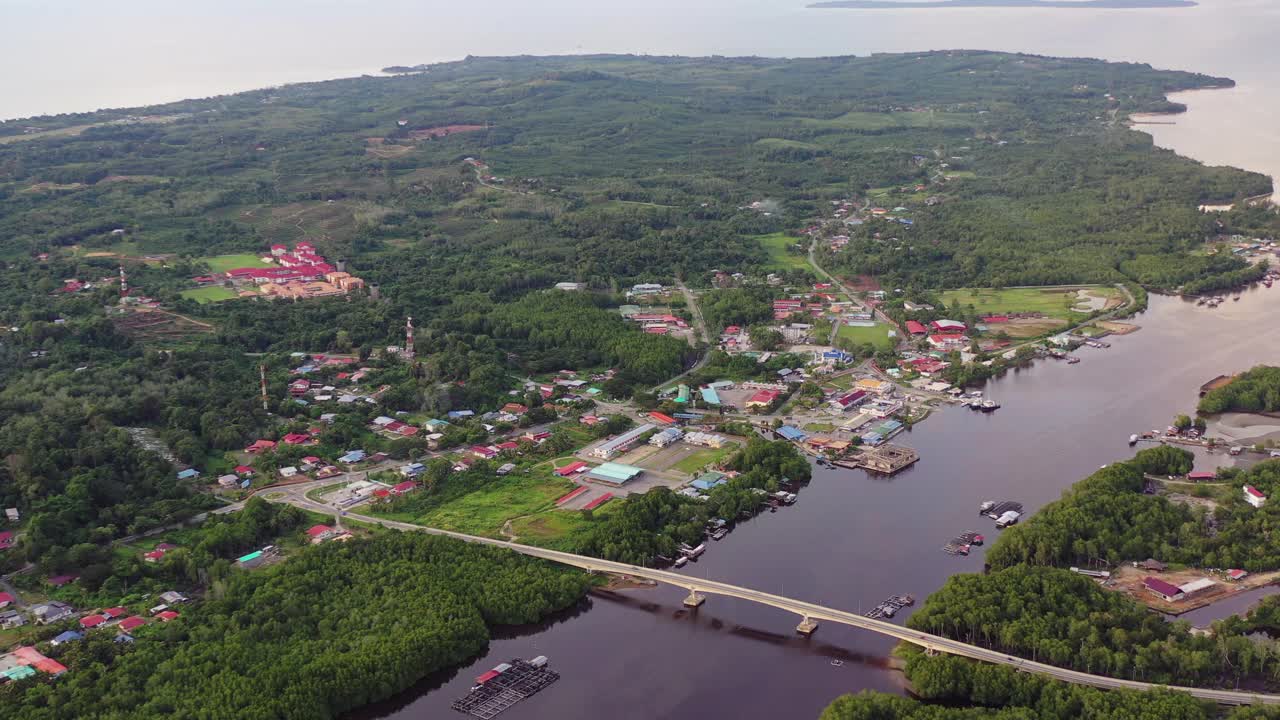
<point x="886" y="459"/>
<point x="500" y="689"/>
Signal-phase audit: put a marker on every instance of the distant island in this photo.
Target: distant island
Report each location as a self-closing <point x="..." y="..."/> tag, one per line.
<point x="921" y="4"/>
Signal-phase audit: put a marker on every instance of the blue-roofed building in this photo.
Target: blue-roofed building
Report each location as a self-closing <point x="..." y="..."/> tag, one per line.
<point x="66" y="637"/>
<point x="792" y="433"/>
<point x="687" y="416"/>
<point x="710" y="396"/>
<point x="189" y="474"/>
<point x="872" y="439"/>
<point x="353" y="456"/>
<point x="123" y="639"/>
<point x="436" y="423"/>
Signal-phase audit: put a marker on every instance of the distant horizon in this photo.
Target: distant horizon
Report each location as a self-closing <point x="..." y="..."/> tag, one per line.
<point x="1053" y="4"/>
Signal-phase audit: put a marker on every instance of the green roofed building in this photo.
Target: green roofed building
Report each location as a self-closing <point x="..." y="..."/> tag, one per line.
<point x="614" y="473"/>
<point x="682" y="396"/>
<point x="18" y="672"/>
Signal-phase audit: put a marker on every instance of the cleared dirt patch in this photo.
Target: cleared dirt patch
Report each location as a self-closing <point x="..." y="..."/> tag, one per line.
<point x="442" y="131"/>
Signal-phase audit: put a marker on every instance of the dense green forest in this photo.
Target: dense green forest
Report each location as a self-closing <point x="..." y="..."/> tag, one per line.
<point x="1107" y="518"/>
<point x="1253" y="391"/>
<point x="996" y="692"/>
<point x="334" y="628"/>
<point x="1026" y="607"/>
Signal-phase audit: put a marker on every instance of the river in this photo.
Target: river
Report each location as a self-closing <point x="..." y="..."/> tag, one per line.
<point x="851" y="540"/>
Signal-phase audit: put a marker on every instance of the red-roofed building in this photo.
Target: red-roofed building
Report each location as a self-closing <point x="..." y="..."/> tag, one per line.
<point x="297" y="438"/>
<point x="167" y="616"/>
<point x="1254" y="496"/>
<point x="662" y="418"/>
<point x="995" y="319"/>
<point x="244" y="471"/>
<point x="1165" y="590"/>
<point x="404" y="487"/>
<point x="382" y="493"/>
<point x="1237" y="574"/>
<point x="36" y="659"/>
<point x="132" y="623"/>
<point x="153" y="556"/>
<point x="115" y="612"/>
<point x="915" y="327"/>
<point x="929" y="366"/>
<point x="515" y="409"/>
<point x="5" y="600"/>
<point x="6" y="540"/>
<point x="92" y="621"/>
<point x="260" y="446"/>
<point x="480" y="451"/>
<point x="732" y="330"/>
<point x="319" y="533"/>
<point x="570" y="469"/>
<point x="1203" y="476"/>
<point x="762" y="398"/>
<point x="950" y="341"/>
<point x="948" y="326"/>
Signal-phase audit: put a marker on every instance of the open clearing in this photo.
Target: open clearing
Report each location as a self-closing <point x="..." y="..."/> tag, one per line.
<point x="877" y="335"/>
<point x="701" y="458"/>
<point x="486" y="510"/>
<point x="223" y="263"/>
<point x="776" y="245"/>
<point x="1056" y="303"/>
<point x="213" y="293"/>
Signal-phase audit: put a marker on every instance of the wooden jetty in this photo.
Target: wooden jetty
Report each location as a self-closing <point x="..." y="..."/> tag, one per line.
<point x="886" y="459"/>
<point x="960" y="544"/>
<point x="501" y="688"/>
<point x="999" y="508"/>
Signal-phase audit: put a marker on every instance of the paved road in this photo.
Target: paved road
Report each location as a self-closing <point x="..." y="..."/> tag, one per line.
<point x="698" y="322"/>
<point x="808" y="611"/>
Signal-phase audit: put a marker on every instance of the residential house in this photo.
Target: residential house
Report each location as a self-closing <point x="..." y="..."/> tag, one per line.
<point x="319" y="533"/>
<point x="259" y="446"/>
<point x="51" y="612"/>
<point x="1254" y="497"/>
<point x="189" y="474"/>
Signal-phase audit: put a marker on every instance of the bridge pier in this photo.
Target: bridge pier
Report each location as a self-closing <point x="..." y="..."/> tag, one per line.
<point x="807" y="626"/>
<point x="694" y="600"/>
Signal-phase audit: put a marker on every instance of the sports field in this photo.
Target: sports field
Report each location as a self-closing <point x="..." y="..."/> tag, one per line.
<point x="1051" y="302"/>
<point x="223" y="263"/>
<point x="877" y="335"/>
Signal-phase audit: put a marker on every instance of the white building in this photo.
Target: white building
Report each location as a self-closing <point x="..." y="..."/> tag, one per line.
<point x="666" y="437"/>
<point x="1254" y="497"/>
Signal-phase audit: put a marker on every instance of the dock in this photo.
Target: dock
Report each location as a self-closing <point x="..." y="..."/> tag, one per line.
<point x="999" y="508"/>
<point x="960" y="544"/>
<point x="889" y="607"/>
<point x="886" y="459"/>
<point x="504" y="689"/>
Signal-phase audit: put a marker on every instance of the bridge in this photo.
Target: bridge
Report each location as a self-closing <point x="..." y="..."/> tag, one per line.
<point x="810" y="614"/>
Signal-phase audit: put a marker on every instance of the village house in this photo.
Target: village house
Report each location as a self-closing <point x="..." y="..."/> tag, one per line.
<point x="1254" y="497"/>
<point x="51" y="612"/>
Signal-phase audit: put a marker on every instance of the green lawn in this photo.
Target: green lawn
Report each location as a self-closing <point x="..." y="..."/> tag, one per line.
<point x="701" y="458"/>
<point x="213" y="293"/>
<point x="819" y="427"/>
<point x="776" y="245"/>
<point x="549" y="525"/>
<point x="1054" y="303"/>
<point x="223" y="263"/>
<point x="484" y="511"/>
<point x="877" y="335"/>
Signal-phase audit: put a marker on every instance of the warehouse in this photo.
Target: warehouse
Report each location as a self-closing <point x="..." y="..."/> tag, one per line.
<point x="614" y="473"/>
<point x="621" y="443"/>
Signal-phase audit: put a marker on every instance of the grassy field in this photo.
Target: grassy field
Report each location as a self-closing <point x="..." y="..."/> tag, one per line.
<point x="819" y="427"/>
<point x="486" y="510"/>
<point x="776" y="245"/>
<point x="1054" y="303"/>
<point x="877" y="335"/>
<point x="549" y="525"/>
<point x="213" y="293"/>
<point x="223" y="263"/>
<point x="701" y="458"/>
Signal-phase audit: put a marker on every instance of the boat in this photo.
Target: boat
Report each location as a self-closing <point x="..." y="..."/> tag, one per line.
<point x="695" y="552"/>
<point x="1133" y="439"/>
<point x="837" y="663"/>
<point x="888" y="611"/>
<point x="1072" y="360"/>
<point x="1201" y="301"/>
<point x="985" y="506"/>
<point x="989" y="406"/>
<point x="719" y="534"/>
<point x="682" y="561"/>
<point x="1235" y="298"/>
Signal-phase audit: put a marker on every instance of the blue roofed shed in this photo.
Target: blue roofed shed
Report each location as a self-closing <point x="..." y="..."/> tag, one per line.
<point x="792" y="433"/>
